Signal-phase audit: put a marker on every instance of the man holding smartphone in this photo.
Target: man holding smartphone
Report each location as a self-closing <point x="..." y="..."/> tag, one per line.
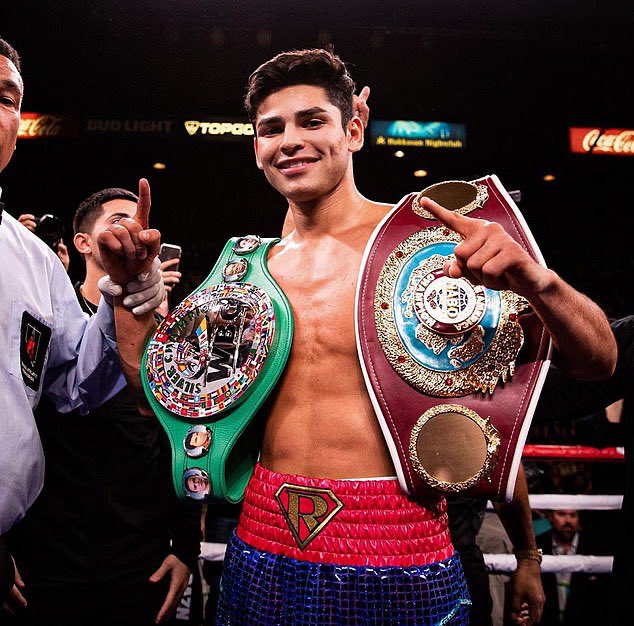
<point x="170" y="256"/>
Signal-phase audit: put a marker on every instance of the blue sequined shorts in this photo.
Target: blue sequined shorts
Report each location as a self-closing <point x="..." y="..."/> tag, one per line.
<point x="263" y="589"/>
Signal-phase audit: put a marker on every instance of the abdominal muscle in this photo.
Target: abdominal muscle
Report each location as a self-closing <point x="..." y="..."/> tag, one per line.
<point x="322" y="423"/>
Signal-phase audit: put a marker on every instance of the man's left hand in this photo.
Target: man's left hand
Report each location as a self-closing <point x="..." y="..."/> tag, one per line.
<point x="527" y="597"/>
<point x="489" y="256"/>
<point x="128" y="247"/>
<point x="179" y="579"/>
<point x="15" y="601"/>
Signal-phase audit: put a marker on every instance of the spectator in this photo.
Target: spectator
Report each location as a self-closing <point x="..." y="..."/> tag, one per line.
<point x="69" y="359"/>
<point x="569" y="399"/>
<point x="47" y="345"/>
<point x="571" y="599"/>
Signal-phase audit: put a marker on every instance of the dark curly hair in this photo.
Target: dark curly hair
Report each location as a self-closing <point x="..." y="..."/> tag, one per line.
<point x="318" y="67"/>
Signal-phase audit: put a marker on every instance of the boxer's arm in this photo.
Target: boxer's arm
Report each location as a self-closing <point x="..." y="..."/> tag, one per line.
<point x="128" y="249"/>
<point x="584" y="343"/>
<point x="527" y="591"/>
<point x="133" y="333"/>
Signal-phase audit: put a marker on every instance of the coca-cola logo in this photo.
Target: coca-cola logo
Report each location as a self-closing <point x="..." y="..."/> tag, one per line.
<point x="33" y="125"/>
<point x="617" y="141"/>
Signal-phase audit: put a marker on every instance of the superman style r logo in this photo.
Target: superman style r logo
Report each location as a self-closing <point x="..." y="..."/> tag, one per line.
<point x="307" y="510"/>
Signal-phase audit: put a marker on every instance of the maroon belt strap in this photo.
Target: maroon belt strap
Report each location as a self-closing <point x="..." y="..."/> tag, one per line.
<point x="453" y="369"/>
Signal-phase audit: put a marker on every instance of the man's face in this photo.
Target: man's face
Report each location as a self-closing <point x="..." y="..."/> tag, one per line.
<point x="197" y="484"/>
<point x="565" y="524"/>
<point x="198" y="439"/>
<point x="300" y="143"/>
<point x="246" y="243"/>
<point x="112" y="212"/>
<point x="11" y="89"/>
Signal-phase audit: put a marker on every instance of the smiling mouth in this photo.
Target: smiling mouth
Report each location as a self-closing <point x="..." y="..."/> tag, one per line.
<point x="291" y="165"/>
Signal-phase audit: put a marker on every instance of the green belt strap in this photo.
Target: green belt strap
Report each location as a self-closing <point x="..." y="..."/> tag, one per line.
<point x="235" y="435"/>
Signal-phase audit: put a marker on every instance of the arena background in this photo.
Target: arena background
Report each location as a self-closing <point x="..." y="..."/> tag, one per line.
<point x="519" y="75"/>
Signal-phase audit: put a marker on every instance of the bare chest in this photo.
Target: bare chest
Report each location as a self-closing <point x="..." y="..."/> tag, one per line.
<point x="322" y="297"/>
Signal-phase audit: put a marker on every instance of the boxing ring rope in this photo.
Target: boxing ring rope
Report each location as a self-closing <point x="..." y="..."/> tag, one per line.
<point x="571" y="453"/>
<point x="505" y="563"/>
<point x="210" y="551"/>
<point x="583" y="502"/>
<point x="585" y="563"/>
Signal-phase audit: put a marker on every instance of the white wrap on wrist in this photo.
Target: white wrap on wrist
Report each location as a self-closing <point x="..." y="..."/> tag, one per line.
<point x="144" y="294"/>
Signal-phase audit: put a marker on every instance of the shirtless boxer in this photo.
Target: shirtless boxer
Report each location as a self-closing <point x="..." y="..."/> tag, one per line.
<point x="326" y="534"/>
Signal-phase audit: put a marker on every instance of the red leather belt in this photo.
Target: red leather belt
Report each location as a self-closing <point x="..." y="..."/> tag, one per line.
<point x="453" y="369"/>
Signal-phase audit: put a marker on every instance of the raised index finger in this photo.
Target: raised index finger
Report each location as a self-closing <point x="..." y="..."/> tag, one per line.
<point x="361" y="107"/>
<point x="461" y="224"/>
<point x="142" y="215"/>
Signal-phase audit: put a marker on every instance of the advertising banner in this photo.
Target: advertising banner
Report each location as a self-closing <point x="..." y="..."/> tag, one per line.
<point x="47" y="125"/>
<point x="592" y="140"/>
<point x="219" y="129"/>
<point x="410" y="134"/>
<point x="128" y="126"/>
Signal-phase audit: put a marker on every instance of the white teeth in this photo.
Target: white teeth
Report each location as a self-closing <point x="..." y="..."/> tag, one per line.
<point x="295" y="164"/>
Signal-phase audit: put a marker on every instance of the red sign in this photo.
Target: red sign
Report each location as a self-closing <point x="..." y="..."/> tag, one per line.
<point x="616" y="141"/>
<point x="38" y="125"/>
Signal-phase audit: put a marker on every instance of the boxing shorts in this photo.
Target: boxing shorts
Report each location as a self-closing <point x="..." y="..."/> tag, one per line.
<point x="348" y="552"/>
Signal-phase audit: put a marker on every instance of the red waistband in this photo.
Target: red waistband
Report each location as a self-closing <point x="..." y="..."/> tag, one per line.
<point x="346" y="522"/>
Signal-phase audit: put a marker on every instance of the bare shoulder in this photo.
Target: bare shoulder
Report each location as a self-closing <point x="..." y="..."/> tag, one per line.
<point x="281" y="246"/>
<point x="379" y="208"/>
<point x="376" y="211"/>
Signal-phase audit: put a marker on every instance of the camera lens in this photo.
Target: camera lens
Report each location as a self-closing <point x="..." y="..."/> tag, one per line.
<point x="49" y="229"/>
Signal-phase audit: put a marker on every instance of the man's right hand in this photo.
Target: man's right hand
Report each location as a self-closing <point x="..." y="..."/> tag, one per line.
<point x="361" y="108"/>
<point x="16" y="600"/>
<point x="28" y="220"/>
<point x="129" y="247"/>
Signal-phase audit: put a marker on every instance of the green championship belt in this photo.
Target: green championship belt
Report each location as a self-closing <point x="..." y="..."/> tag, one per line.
<point x="211" y="364"/>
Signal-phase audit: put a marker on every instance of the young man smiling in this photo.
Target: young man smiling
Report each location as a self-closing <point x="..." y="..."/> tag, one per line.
<point x="379" y="557"/>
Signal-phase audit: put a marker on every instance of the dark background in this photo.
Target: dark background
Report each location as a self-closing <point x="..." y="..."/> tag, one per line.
<point x="518" y="74"/>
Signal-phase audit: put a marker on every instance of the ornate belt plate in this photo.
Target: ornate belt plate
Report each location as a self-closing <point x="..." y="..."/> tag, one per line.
<point x="443" y="335"/>
<point x="210" y="348"/>
<point x="212" y="363"/>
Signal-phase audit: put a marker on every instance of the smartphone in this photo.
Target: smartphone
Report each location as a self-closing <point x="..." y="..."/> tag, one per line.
<point x="170" y="251"/>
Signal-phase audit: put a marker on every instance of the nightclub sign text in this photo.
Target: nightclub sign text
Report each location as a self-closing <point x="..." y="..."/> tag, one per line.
<point x="410" y="134"/>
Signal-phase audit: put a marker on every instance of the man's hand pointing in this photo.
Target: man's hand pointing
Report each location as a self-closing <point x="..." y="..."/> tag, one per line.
<point x="489" y="256"/>
<point x="128" y="247"/>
